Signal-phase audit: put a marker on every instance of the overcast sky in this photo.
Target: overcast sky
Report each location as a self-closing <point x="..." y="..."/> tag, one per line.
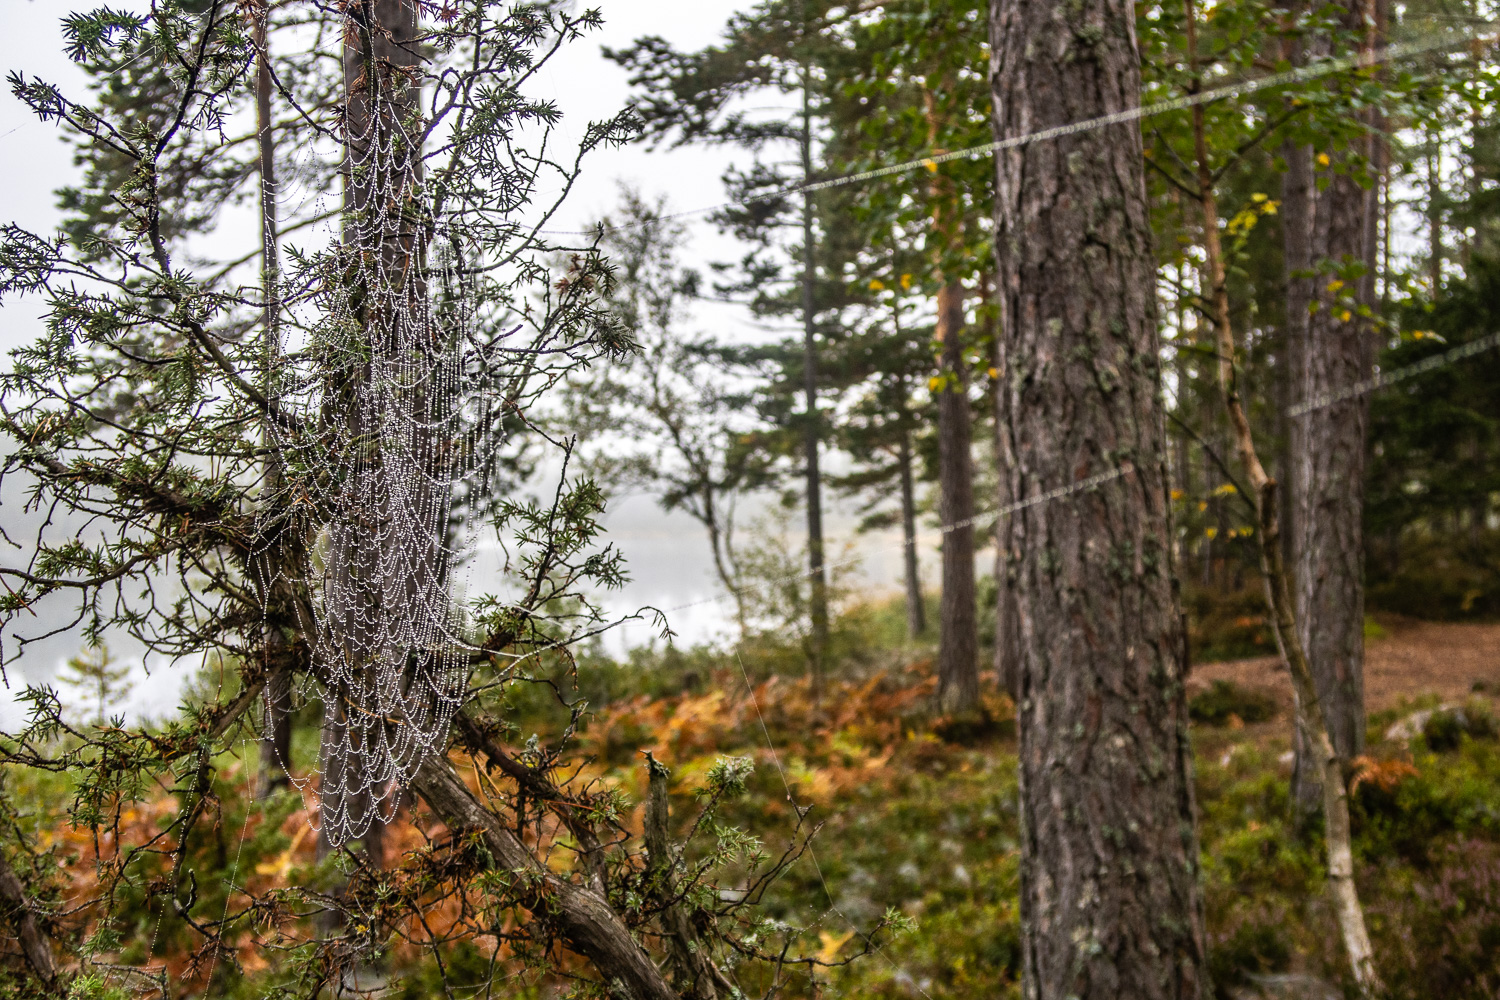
<point x="667" y="554"/>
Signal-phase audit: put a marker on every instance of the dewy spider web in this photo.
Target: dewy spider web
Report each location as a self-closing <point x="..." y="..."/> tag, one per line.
<point x="392" y="425"/>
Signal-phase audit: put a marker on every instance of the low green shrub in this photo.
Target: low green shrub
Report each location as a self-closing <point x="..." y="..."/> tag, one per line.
<point x="1448" y="577"/>
<point x="1229" y="625"/>
<point x="1449" y="940"/>
<point x="1257" y="946"/>
<point x="1226" y="698"/>
<point x="1445" y="729"/>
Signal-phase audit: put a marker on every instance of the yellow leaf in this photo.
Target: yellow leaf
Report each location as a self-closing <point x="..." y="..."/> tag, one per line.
<point x="1257" y="197"/>
<point x="906" y="281"/>
<point x="1177" y="494"/>
<point x="831" y="943"/>
<point x="931" y="165"/>
<point x="1323" y="160"/>
<point x="1211" y="532"/>
<point x="876" y="285"/>
<point x="994" y="372"/>
<point x="935" y="383"/>
<point x="1335" y="285"/>
<point x="1345" y="315"/>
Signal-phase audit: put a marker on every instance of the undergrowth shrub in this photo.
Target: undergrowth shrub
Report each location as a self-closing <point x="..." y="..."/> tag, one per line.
<point x="1252" y="941"/>
<point x="1224" y="699"/>
<point x="1445" y="729"/>
<point x="1446" y="940"/>
<point x="1229" y="625"/>
<point x="1447" y="577"/>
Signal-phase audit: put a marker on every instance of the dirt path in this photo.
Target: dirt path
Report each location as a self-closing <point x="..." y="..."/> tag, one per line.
<point x="1412" y="658"/>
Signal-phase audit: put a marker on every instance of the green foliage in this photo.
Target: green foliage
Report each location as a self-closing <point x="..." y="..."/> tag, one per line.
<point x="1226" y="698"/>
<point x="98" y="680"/>
<point x="1228" y="626"/>
<point x="1424" y="836"/>
<point x="1254" y="947"/>
<point x="1428" y="478"/>
<point x="1443" y="577"/>
<point x="1447" y="728"/>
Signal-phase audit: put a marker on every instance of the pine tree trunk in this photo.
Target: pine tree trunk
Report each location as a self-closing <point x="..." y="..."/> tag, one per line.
<point x="1007" y="620"/>
<point x="818" y="575"/>
<point x="958" y="639"/>
<point x="1296" y="240"/>
<point x="1110" y="898"/>
<point x="1434" y="216"/>
<point x="1329" y="484"/>
<point x="1312" y="726"/>
<point x="379" y="43"/>
<point x="916" y="610"/>
<point x="276" y="741"/>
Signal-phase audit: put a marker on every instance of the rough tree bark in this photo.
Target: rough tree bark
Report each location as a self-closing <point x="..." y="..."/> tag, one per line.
<point x="1328" y="489"/>
<point x="958" y="638"/>
<point x="1296" y="247"/>
<point x="1110" y="898"/>
<point x="1007" y="620"/>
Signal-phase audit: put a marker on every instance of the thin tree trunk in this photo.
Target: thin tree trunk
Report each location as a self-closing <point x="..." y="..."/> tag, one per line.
<point x="1329" y="488"/>
<point x="276" y="742"/>
<point x="1278" y="594"/>
<point x="1379" y="157"/>
<point x="958" y="638"/>
<point x="816" y="571"/>
<point x="694" y="974"/>
<point x="1434" y="217"/>
<point x="719" y="544"/>
<point x="916" y="610"/>
<point x="1111" y="905"/>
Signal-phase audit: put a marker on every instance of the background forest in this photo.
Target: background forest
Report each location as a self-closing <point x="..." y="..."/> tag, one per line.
<point x="1166" y="333"/>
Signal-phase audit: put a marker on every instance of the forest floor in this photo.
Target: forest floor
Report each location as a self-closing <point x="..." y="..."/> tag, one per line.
<point x="919" y="815"/>
<point x="1406" y="658"/>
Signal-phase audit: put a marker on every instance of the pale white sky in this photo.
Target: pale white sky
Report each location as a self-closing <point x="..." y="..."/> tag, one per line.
<point x="667" y="554"/>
